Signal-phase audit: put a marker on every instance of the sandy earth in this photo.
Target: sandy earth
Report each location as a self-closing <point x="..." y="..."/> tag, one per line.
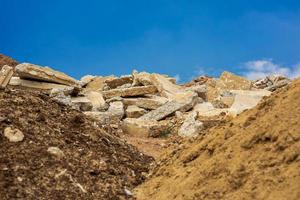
<point x="254" y="156"/>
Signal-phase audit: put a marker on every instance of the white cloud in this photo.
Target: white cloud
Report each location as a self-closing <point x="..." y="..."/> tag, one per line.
<point x="261" y="68"/>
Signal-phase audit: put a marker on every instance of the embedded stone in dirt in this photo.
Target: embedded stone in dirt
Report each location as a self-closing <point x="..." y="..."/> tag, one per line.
<point x="56" y="152"/>
<point x="13" y="135"/>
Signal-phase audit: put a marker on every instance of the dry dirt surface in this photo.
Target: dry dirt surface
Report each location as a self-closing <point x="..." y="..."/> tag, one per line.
<point x="5" y="60"/>
<point x="92" y="164"/>
<point x="254" y="156"/>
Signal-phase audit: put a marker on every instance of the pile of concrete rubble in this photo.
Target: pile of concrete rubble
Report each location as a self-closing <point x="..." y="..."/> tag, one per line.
<point x="141" y="102"/>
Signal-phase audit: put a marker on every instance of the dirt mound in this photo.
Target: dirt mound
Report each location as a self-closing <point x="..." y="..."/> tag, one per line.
<point x="63" y="155"/>
<point x="5" y="60"/>
<point x="254" y="156"/>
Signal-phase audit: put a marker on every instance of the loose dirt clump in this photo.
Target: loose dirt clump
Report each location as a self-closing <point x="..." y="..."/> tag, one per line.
<point x="254" y="156"/>
<point x="63" y="154"/>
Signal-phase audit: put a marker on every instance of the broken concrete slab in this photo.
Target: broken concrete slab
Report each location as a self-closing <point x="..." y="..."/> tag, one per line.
<point x="150" y="103"/>
<point x="134" y="111"/>
<point x="203" y="107"/>
<point x="86" y="79"/>
<point x="191" y="127"/>
<point x="82" y="103"/>
<point x="165" y="87"/>
<point x="116" y="82"/>
<point x="5" y="75"/>
<point x="163" y="111"/>
<point x="231" y="81"/>
<point x="246" y="100"/>
<point x="142" y="128"/>
<point x="214" y="112"/>
<point x="98" y="83"/>
<point x="16" y="81"/>
<point x="116" y="109"/>
<point x="46" y="74"/>
<point x="141" y="79"/>
<point x="97" y="100"/>
<point x="128" y="92"/>
<point x="201" y="90"/>
<point x="113" y="115"/>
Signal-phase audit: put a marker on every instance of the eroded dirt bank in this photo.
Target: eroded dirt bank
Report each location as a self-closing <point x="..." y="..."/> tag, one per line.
<point x="63" y="154"/>
<point x="255" y="156"/>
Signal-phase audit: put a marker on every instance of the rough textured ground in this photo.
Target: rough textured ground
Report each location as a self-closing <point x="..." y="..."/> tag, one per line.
<point x="5" y="60"/>
<point x="254" y="156"/>
<point x="95" y="165"/>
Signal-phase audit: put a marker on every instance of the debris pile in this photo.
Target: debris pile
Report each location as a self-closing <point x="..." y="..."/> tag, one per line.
<point x="142" y="103"/>
<point x="254" y="156"/>
<point x="50" y="151"/>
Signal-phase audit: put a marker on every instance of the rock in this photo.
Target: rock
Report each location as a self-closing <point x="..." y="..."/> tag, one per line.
<point x="45" y="74"/>
<point x="188" y="100"/>
<point x="190" y="127"/>
<point x="116" y="109"/>
<point x="97" y="100"/>
<point x="61" y="96"/>
<point x="141" y="79"/>
<point x="142" y="128"/>
<point x="215" y="112"/>
<point x="127" y="85"/>
<point x="278" y="84"/>
<point x="201" y="90"/>
<point x="13" y="135"/>
<point x="163" y="111"/>
<point x="86" y="79"/>
<point x="203" y="107"/>
<point x="207" y="109"/>
<point x="5" y="75"/>
<point x="16" y="81"/>
<point x="116" y="82"/>
<point x="82" y="103"/>
<point x="114" y="114"/>
<point x="114" y="99"/>
<point x="231" y="81"/>
<point x="151" y="103"/>
<point x="55" y="151"/>
<point x="164" y="86"/>
<point x="246" y="100"/>
<point x="226" y="98"/>
<point x="68" y="91"/>
<point x="128" y="92"/>
<point x="134" y="112"/>
<point x="98" y="83"/>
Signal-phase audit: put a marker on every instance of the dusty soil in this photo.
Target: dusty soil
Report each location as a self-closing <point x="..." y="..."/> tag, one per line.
<point x="95" y="165"/>
<point x="254" y="156"/>
<point x="5" y="60"/>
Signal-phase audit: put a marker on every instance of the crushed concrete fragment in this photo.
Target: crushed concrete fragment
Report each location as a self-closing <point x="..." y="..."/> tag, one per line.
<point x="191" y="127"/>
<point x="5" y="75"/>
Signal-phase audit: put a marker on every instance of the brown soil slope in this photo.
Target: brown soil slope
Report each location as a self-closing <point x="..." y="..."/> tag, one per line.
<point x="5" y="60"/>
<point x="255" y="156"/>
<point x="95" y="165"/>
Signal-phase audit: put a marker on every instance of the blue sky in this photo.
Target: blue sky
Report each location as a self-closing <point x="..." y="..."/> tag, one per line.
<point x="186" y="38"/>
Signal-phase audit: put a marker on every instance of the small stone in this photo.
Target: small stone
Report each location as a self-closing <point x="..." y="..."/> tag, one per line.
<point x="56" y="152"/>
<point x="13" y="135"/>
